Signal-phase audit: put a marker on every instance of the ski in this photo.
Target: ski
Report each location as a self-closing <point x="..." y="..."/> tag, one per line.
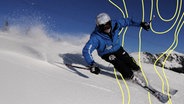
<point x="159" y="95"/>
<point x="172" y="91"/>
<point x="74" y="66"/>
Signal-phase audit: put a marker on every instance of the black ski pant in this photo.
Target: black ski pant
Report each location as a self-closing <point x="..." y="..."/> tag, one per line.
<point x="122" y="62"/>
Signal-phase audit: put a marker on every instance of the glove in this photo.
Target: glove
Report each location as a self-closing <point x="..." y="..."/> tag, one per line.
<point x="145" y="25"/>
<point x="94" y="69"/>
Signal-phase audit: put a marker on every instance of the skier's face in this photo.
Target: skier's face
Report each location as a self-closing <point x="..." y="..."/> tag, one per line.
<point x="105" y="27"/>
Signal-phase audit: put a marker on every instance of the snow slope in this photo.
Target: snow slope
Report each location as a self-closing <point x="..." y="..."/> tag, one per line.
<point x="30" y="74"/>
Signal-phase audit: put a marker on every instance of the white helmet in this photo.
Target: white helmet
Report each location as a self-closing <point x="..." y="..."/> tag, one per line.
<point x="102" y="18"/>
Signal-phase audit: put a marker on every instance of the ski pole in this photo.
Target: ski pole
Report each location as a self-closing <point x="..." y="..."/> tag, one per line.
<point x="74" y="66"/>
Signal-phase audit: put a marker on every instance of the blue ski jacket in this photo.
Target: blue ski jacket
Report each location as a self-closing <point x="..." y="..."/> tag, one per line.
<point x="103" y="43"/>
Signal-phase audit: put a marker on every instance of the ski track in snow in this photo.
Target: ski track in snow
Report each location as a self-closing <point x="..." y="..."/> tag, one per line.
<point x="97" y="87"/>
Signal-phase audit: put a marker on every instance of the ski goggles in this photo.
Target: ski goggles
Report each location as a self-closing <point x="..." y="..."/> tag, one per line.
<point x="105" y="26"/>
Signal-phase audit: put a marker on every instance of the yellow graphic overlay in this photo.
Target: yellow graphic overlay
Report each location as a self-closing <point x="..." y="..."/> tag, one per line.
<point x="128" y="91"/>
<point x="180" y="23"/>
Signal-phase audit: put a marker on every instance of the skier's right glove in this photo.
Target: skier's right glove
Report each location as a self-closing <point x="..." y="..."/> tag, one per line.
<point x="94" y="69"/>
<point x="145" y="25"/>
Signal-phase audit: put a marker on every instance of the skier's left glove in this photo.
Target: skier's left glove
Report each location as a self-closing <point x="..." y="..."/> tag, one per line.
<point x="145" y="25"/>
<point x="94" y="68"/>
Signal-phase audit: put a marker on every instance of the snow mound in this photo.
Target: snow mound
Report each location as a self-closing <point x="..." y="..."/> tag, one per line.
<point x="32" y="72"/>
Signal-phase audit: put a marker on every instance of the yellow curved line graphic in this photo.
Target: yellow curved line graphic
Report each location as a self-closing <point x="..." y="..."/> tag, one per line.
<point x="122" y="92"/>
<point x="166" y="20"/>
<point x="139" y="52"/>
<point x="164" y="54"/>
<point x="120" y="87"/>
<point x="163" y="32"/>
<point x="169" y="50"/>
<point x="178" y="28"/>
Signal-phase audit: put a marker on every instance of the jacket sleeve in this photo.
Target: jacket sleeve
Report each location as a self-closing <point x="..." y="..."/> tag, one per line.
<point x="90" y="46"/>
<point x="128" y="22"/>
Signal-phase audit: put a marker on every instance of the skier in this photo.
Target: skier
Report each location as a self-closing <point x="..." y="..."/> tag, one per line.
<point x="107" y="42"/>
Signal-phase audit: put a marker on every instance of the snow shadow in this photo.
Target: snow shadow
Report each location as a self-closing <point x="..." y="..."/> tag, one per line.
<point x="74" y="59"/>
<point x="69" y="58"/>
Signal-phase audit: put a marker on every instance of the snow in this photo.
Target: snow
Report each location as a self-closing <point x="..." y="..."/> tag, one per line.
<point x="174" y="63"/>
<point x="174" y="60"/>
<point x="30" y="74"/>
